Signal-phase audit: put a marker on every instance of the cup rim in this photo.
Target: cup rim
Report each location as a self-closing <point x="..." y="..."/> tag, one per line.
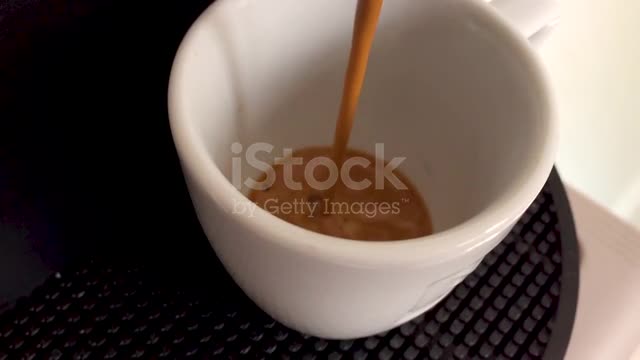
<point x="470" y="236"/>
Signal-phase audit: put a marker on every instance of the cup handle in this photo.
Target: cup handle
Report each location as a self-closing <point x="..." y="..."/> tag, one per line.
<point x="535" y="19"/>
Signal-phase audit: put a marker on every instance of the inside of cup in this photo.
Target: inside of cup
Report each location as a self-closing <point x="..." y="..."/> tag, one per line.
<point x="447" y="88"/>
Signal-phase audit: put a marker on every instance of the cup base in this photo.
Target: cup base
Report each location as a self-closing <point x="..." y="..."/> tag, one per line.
<point x="414" y="314"/>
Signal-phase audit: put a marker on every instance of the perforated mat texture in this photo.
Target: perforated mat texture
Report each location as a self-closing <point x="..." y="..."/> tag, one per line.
<point x="504" y="309"/>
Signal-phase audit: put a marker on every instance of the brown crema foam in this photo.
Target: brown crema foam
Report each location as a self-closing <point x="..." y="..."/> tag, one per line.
<point x="372" y="213"/>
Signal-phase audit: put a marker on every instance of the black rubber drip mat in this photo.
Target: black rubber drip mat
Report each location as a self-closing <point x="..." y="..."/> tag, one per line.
<point x="508" y="308"/>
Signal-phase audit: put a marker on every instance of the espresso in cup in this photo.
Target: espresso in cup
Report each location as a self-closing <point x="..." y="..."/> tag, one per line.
<point x="339" y="191"/>
<point x="359" y="208"/>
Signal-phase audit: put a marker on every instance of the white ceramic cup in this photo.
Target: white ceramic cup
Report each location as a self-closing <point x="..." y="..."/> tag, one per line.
<point x="452" y="86"/>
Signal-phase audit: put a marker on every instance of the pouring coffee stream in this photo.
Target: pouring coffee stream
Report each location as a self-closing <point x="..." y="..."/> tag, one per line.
<point x="383" y="212"/>
<point x="364" y="30"/>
